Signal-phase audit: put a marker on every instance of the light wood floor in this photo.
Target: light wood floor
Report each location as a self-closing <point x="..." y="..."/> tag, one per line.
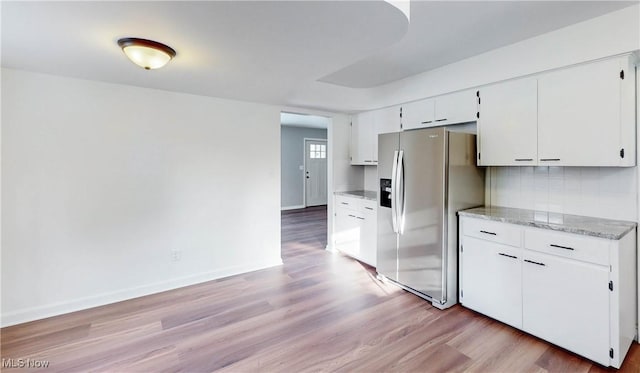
<point x="318" y="312"/>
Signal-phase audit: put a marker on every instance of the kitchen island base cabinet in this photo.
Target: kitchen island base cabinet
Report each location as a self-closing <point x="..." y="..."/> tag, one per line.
<point x="576" y="291"/>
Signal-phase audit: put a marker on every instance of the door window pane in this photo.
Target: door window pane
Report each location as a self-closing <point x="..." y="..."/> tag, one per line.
<point x="317" y="151"/>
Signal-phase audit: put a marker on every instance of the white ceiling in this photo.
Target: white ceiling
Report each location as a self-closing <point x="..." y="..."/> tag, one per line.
<point x="445" y="32"/>
<point x="248" y="50"/>
<point x="271" y="51"/>
<point x="303" y="120"/>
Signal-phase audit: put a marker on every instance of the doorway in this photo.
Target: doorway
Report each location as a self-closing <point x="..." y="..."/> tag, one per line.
<point x="305" y="172"/>
<point x="315" y="172"/>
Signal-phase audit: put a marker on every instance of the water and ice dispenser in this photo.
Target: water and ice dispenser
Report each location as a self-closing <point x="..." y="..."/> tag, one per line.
<point x="385" y="192"/>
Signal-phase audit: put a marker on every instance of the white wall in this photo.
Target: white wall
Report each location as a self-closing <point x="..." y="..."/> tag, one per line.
<point x="371" y="178"/>
<point x="101" y="181"/>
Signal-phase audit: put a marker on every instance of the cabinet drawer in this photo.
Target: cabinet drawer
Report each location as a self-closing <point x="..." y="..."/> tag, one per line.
<point x="587" y="249"/>
<point x="349" y="202"/>
<point x="369" y="206"/>
<point x="503" y="233"/>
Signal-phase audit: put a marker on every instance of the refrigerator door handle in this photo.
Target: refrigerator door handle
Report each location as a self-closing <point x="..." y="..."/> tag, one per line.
<point x="400" y="192"/>
<point x="394" y="206"/>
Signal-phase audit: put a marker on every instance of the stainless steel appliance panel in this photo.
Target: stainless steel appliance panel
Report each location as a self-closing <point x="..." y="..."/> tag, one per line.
<point x="421" y="242"/>
<point x="387" y="259"/>
<point x="465" y="190"/>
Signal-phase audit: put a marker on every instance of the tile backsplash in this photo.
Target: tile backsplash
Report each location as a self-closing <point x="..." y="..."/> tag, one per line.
<point x="607" y="192"/>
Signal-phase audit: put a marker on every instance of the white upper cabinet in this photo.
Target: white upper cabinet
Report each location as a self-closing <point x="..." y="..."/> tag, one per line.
<point x="459" y="107"/>
<point x="578" y="116"/>
<point x="365" y="128"/>
<point x="362" y="129"/>
<point x="586" y="115"/>
<point x="507" y="124"/>
<point x="418" y="114"/>
<point x="385" y="121"/>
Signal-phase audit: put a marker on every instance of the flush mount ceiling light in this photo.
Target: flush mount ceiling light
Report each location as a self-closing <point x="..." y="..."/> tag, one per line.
<point x="145" y="53"/>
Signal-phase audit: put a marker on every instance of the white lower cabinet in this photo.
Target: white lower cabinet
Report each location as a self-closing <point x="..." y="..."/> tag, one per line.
<point x="576" y="291"/>
<point x="368" y="234"/>
<point x="566" y="302"/>
<point x="355" y="230"/>
<point x="495" y="267"/>
<point x="347" y="233"/>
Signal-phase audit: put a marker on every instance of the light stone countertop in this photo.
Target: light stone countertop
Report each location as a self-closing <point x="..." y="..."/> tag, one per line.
<point x="364" y="194"/>
<point x="584" y="225"/>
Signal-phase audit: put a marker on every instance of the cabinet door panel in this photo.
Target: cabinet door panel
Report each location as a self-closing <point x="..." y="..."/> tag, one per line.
<point x="579" y="115"/>
<point x="455" y="108"/>
<point x="491" y="280"/>
<point x="362" y="135"/>
<point x="419" y="114"/>
<point x="368" y="238"/>
<point x="354" y="150"/>
<point x="566" y="302"/>
<point x="507" y="127"/>
<point x="385" y="121"/>
<point x="347" y="231"/>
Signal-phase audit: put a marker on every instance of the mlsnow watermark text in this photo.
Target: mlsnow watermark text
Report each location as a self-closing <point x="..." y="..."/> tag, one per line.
<point x="24" y="363"/>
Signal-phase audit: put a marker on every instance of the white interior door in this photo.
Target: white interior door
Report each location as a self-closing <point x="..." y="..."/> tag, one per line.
<point x="315" y="173"/>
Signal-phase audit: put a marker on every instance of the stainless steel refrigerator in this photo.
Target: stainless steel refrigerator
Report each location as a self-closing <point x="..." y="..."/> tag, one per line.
<point x="425" y="177"/>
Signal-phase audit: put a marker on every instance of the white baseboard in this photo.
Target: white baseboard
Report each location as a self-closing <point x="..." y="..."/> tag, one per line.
<point x="59" y="308"/>
<point x="292" y="207"/>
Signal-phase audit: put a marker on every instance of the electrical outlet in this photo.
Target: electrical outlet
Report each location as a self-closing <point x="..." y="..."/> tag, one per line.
<point x="176" y="254"/>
